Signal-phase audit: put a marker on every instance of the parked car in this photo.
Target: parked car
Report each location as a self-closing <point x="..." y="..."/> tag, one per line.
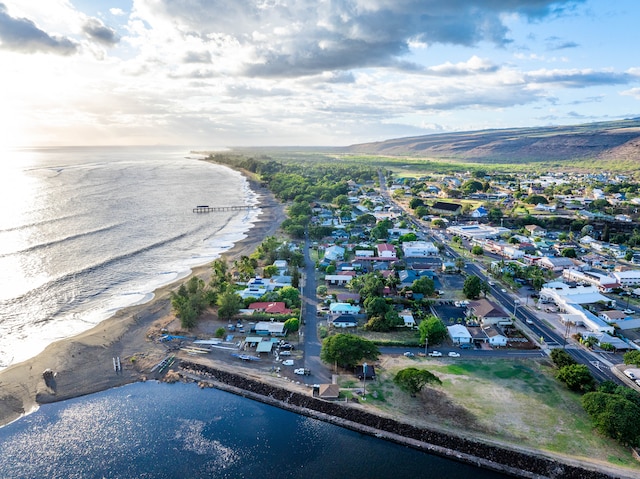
<point x="287" y="362"/>
<point x="453" y="354"/>
<point x="302" y="371"/>
<point x="409" y="354"/>
<point x="285" y="353"/>
<point x="628" y="311"/>
<point x="503" y="290"/>
<point x="435" y="354"/>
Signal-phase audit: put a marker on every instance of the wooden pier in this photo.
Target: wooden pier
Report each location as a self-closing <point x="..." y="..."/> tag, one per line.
<point x="210" y="209"/>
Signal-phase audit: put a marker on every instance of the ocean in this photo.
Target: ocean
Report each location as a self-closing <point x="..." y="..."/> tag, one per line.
<point x="157" y="430"/>
<point x="86" y="231"/>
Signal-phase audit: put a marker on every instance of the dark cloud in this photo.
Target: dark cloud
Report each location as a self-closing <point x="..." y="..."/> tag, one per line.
<point x="23" y="36"/>
<point x="99" y="32"/>
<point x="307" y="37"/>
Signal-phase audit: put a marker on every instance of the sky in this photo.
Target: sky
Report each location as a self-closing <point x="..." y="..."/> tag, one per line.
<point x="223" y="73"/>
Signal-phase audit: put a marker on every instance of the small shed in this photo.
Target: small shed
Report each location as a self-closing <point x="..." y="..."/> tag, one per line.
<point x="329" y="391"/>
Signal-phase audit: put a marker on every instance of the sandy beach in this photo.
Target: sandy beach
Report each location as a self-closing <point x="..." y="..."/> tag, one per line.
<point x="83" y="364"/>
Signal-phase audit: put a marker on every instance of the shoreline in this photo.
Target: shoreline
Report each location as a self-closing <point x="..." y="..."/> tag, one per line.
<point x="83" y="364"/>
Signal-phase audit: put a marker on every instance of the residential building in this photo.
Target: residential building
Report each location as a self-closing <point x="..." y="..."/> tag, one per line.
<point x="386" y="250"/>
<point x="446" y="208"/>
<point x="459" y="334"/>
<point x="419" y="249"/>
<point x="488" y="313"/>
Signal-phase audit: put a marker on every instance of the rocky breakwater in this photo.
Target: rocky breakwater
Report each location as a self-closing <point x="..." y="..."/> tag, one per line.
<point x="515" y="462"/>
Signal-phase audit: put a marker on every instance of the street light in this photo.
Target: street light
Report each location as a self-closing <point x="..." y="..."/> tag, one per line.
<point x="516" y="302"/>
<point x="364" y="381"/>
<point x="426" y="345"/>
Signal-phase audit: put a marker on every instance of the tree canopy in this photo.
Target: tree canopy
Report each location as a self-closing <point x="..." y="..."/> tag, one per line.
<point x="347" y="350"/>
<point x="412" y="380"/>
<point x="472" y="287"/>
<point x="433" y="329"/>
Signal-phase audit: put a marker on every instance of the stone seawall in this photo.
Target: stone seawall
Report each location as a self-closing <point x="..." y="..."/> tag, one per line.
<point x="517" y="463"/>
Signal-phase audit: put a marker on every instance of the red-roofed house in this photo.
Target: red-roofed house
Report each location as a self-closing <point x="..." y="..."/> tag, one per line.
<point x="274" y="307"/>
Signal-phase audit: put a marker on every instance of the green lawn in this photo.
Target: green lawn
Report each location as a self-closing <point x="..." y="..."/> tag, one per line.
<point x="518" y="402"/>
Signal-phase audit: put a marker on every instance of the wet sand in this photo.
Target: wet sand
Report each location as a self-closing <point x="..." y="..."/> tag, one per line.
<point x="83" y="364"/>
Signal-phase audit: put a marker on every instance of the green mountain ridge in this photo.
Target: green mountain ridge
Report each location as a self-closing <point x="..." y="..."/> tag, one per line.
<point x="604" y="141"/>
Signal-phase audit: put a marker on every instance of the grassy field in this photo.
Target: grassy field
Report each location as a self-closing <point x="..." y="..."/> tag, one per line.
<point x="516" y="402"/>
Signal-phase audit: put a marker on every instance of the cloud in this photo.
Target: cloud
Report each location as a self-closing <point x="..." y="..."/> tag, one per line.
<point x="118" y="12"/>
<point x="580" y="78"/>
<point x="99" y="32"/>
<point x="307" y="37"/>
<point x="473" y="66"/>
<point x="23" y="36"/>
<point x="197" y="57"/>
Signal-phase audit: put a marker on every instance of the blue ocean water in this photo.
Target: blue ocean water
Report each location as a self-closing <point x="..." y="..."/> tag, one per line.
<point x="157" y="430"/>
<point x="87" y="231"/>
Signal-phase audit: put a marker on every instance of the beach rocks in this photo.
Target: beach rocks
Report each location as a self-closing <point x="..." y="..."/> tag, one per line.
<point x="49" y="379"/>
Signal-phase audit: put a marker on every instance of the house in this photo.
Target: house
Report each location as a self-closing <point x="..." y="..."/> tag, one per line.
<point x="343" y="308"/>
<point x="274" y="307"/>
<point x="627" y="278"/>
<point x="479" y="212"/>
<point x="446" y="208"/>
<point x="459" y="334"/>
<point x="334" y="253"/>
<point x="407" y="317"/>
<point x="613" y="315"/>
<point x="269" y="328"/>
<point x="536" y="231"/>
<point x="343" y="321"/>
<point x="282" y="265"/>
<point x="419" y="249"/>
<point x="338" y="279"/>
<point x="495" y="337"/>
<point x="488" y="313"/>
<point x="386" y="250"/>
<point x="556" y="263"/>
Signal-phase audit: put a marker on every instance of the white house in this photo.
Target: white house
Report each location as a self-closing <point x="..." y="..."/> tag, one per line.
<point x="419" y="249"/>
<point x="386" y="250"/>
<point x="338" y="279"/>
<point x="495" y="336"/>
<point x="459" y="334"/>
<point x="407" y="317"/>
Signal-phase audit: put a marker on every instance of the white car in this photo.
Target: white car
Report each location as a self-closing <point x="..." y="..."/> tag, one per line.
<point x="435" y="354"/>
<point x="285" y="353"/>
<point x="409" y="354"/>
<point x="287" y="362"/>
<point x="503" y="290"/>
<point x="453" y="354"/>
<point x="628" y="311"/>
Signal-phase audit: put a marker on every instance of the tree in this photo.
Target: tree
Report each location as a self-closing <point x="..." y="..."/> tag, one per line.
<point x="415" y="202"/>
<point x="269" y="271"/>
<point x="569" y="253"/>
<point x="614" y="416"/>
<point x="421" y="211"/>
<point x="229" y="303"/>
<point x="412" y="380"/>
<point x="561" y="358"/>
<point x="577" y="377"/>
<point x="477" y="250"/>
<point x="347" y="350"/>
<point x="375" y="306"/>
<point x="432" y="329"/>
<point x="472" y="287"/>
<point x="220" y="332"/>
<point x="632" y="357"/>
<point x="290" y="295"/>
<point x="459" y="263"/>
<point x="292" y="325"/>
<point x="495" y="214"/>
<point x="424" y="285"/>
<point x="321" y="290"/>
<point x="472" y="186"/>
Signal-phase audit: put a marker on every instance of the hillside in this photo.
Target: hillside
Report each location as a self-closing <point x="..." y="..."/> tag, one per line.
<point x="605" y="141"/>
